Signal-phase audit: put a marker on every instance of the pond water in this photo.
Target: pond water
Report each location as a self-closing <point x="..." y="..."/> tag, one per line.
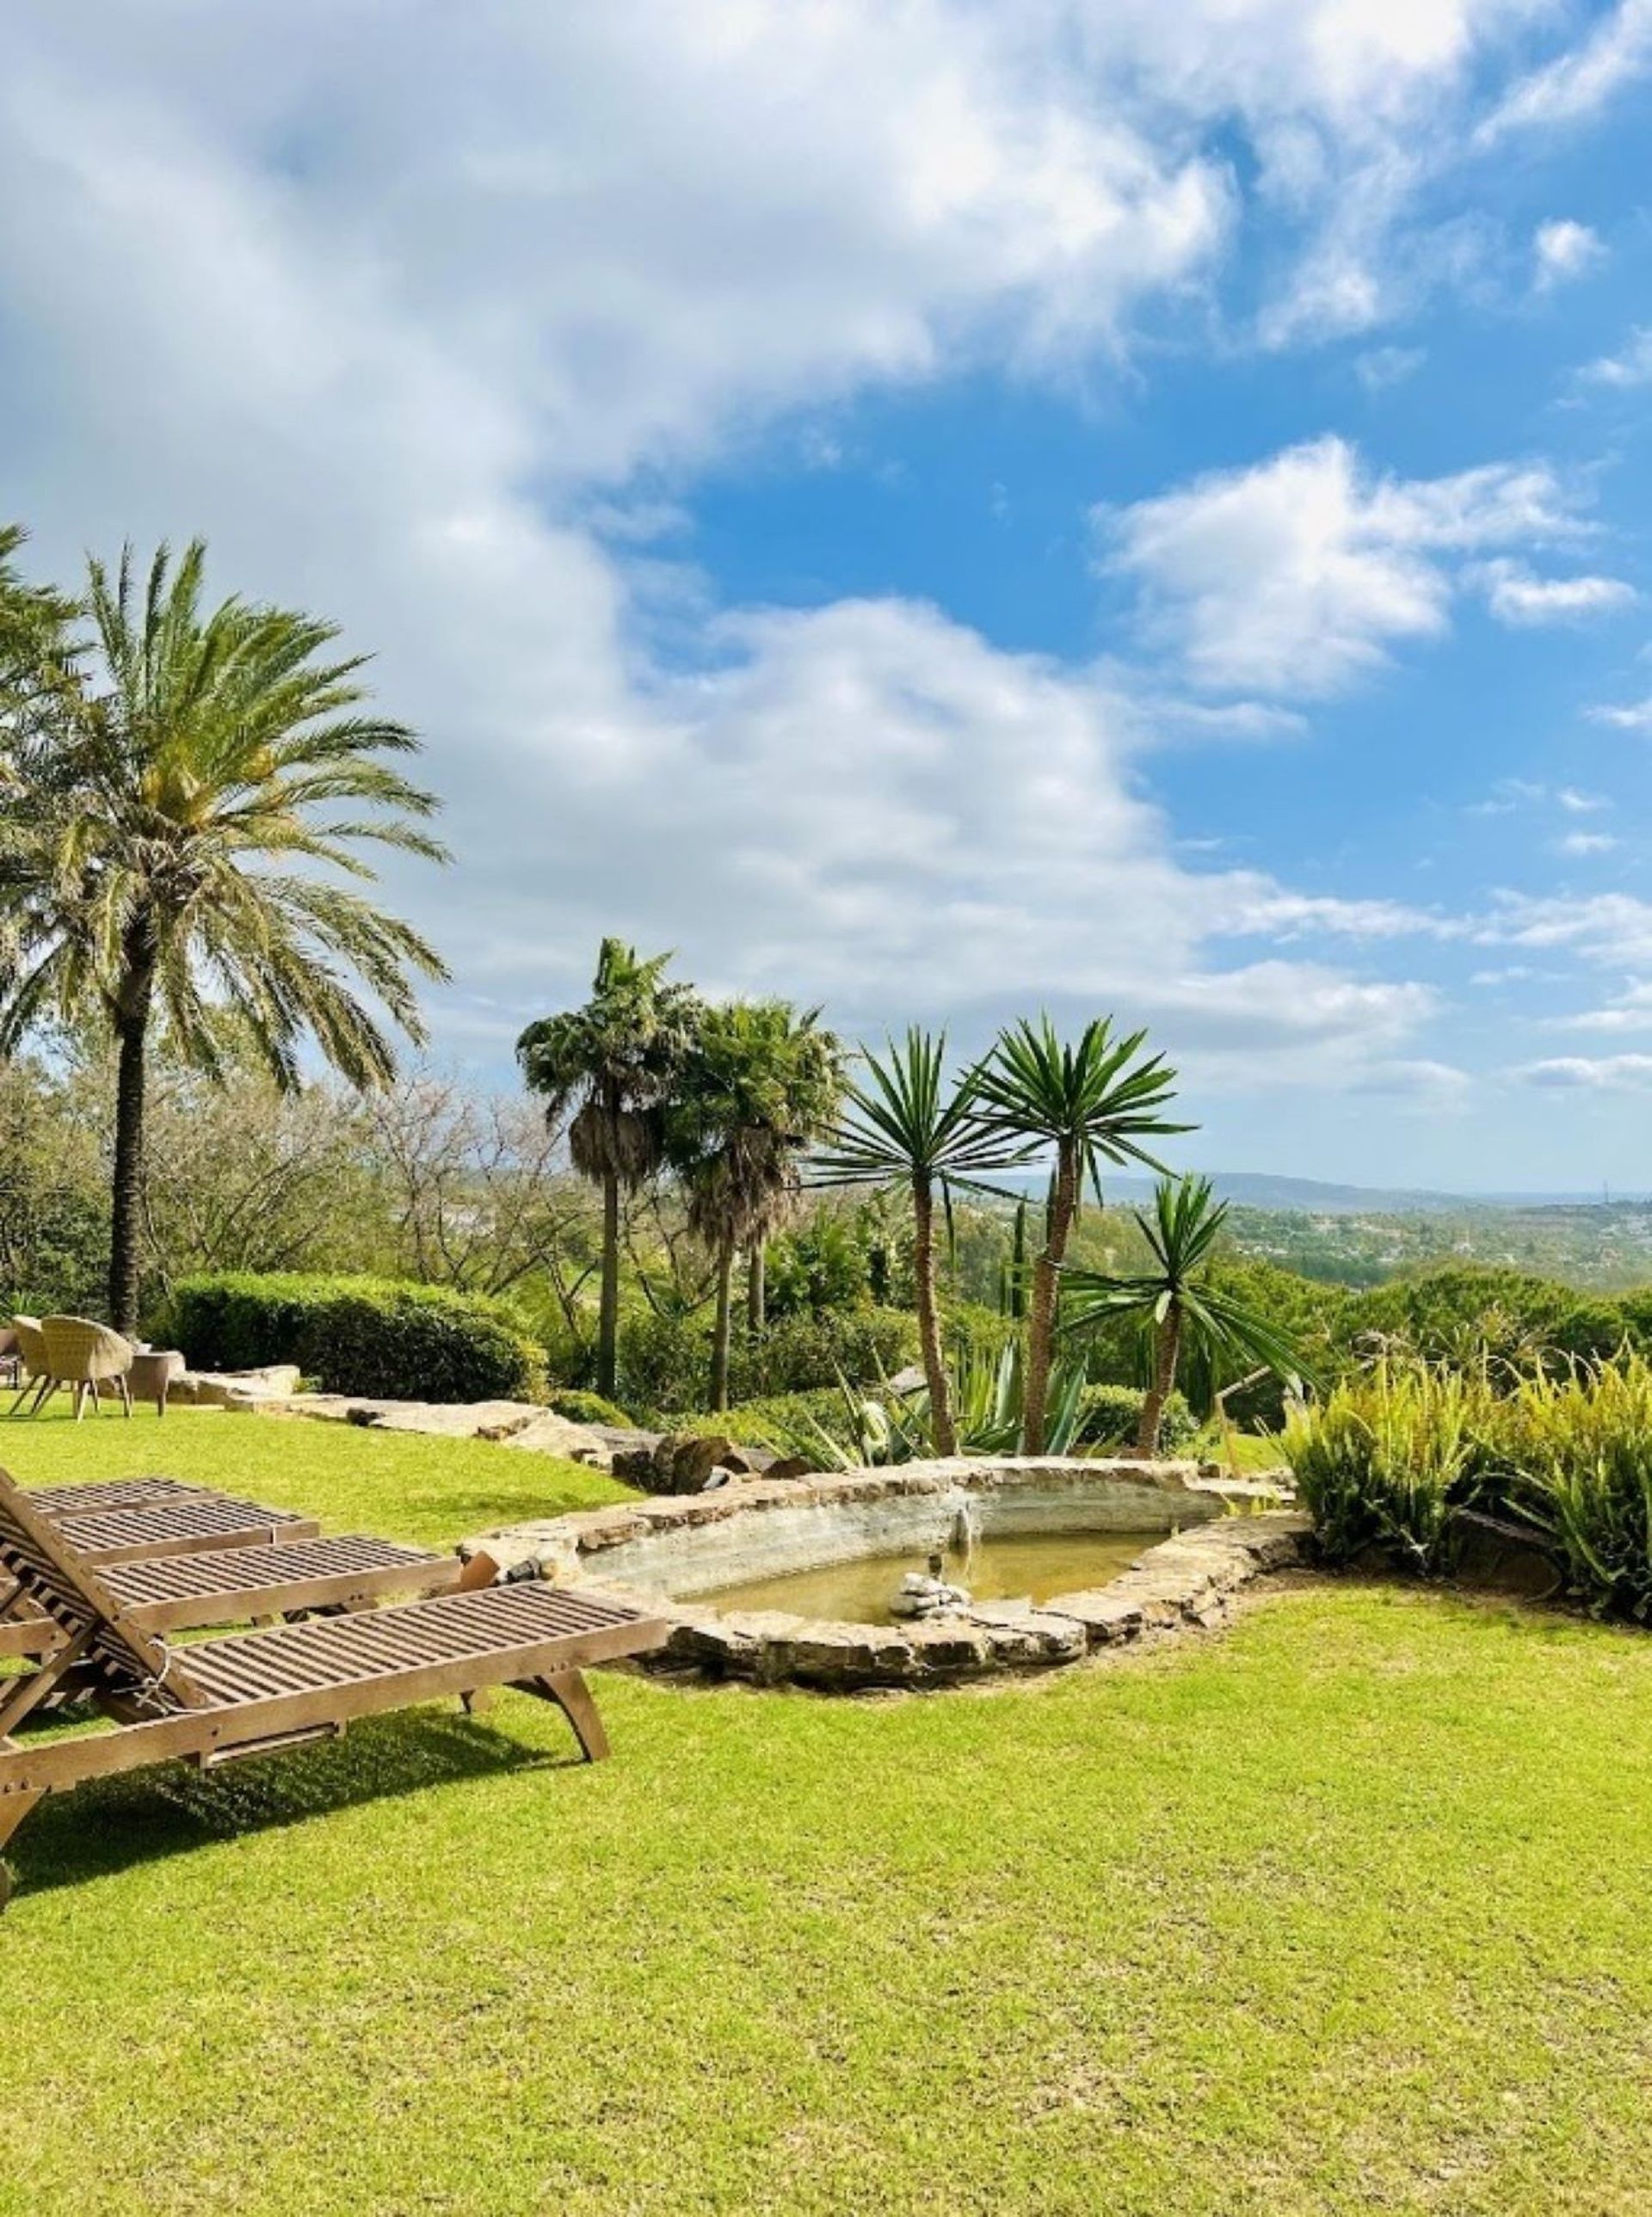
<point x="1021" y="1566"/>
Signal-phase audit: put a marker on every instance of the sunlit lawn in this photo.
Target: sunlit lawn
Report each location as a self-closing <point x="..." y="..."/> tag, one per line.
<point x="1345" y="1909"/>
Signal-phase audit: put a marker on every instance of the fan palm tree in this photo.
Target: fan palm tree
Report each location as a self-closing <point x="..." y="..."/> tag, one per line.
<point x="907" y="1124"/>
<point x="610" y="1067"/>
<point x="1094" y="1101"/>
<point x="762" y="1085"/>
<point x="1178" y="1302"/>
<point x="178" y="805"/>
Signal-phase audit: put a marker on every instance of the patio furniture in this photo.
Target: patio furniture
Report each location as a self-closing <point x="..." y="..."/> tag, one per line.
<point x="140" y="1520"/>
<point x="35" y="1374"/>
<point x="87" y="1356"/>
<point x="258" y="1693"/>
<point x="151" y="1372"/>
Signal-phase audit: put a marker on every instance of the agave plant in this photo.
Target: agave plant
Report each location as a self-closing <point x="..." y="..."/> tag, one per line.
<point x="986" y="1399"/>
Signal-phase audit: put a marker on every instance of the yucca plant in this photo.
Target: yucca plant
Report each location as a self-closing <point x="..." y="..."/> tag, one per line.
<point x="986" y="1402"/>
<point x="1390" y="1460"/>
<point x="1091" y="1100"/>
<point x="909" y="1124"/>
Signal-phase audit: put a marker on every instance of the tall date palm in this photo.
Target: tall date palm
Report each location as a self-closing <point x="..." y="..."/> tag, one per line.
<point x="180" y="806"/>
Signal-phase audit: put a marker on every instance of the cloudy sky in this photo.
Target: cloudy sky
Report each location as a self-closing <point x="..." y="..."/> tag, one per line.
<point x="929" y="506"/>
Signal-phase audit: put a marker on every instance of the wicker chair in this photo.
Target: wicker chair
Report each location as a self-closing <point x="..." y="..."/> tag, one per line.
<point x="35" y="1375"/>
<point x="87" y="1356"/>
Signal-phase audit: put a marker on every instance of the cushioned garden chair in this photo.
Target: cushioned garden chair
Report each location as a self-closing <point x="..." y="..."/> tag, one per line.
<point x="135" y="1520"/>
<point x="258" y="1693"/>
<point x="87" y="1356"/>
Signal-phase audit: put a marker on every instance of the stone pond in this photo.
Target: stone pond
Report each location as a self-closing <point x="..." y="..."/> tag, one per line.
<point x="1102" y="1551"/>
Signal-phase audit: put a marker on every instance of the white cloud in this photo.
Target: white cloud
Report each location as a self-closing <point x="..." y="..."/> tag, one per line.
<point x="1622" y="372"/>
<point x="1596" y="1074"/>
<point x="1563" y="249"/>
<point x="1515" y="597"/>
<point x="1577" y="83"/>
<point x="1294" y="575"/>
<point x="1631" y="1011"/>
<point x="1382" y="366"/>
<point x="1611" y="930"/>
<point x="1579" y="845"/>
<point x="1633" y="716"/>
<point x="1580" y="803"/>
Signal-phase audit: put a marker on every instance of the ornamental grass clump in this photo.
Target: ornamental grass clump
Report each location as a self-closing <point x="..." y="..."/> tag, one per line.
<point x="1389" y="1461"/>
<point x="1576" y="1454"/>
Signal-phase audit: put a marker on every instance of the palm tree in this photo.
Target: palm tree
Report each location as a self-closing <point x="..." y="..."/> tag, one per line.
<point x="1097" y="1099"/>
<point x="907" y="1124"/>
<point x="762" y="1084"/>
<point x="169" y="799"/>
<point x="1177" y="1300"/>
<point x="614" y="1064"/>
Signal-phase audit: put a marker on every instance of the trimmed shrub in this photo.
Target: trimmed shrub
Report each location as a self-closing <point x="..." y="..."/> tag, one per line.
<point x="666" y="1361"/>
<point x="377" y="1338"/>
<point x="1111" y="1415"/>
<point x="783" y="1421"/>
<point x="580" y="1408"/>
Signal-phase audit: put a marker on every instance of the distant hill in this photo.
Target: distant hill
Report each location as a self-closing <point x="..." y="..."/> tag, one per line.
<point x="1318" y="1197"/>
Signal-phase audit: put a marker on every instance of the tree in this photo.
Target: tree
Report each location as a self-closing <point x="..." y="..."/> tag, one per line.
<point x="906" y="1125"/>
<point x="1177" y="1301"/>
<point x="609" y="1068"/>
<point x="170" y="796"/>
<point x="762" y="1085"/>
<point x="1097" y="1099"/>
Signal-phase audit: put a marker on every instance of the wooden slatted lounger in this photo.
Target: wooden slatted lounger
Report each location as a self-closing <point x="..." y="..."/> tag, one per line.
<point x="139" y="1520"/>
<point x="258" y="1693"/>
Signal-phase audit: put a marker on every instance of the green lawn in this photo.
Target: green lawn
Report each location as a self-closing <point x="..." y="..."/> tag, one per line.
<point x="1346" y="1910"/>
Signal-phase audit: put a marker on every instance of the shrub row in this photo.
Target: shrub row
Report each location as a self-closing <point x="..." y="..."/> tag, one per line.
<point x="1113" y="1414"/>
<point x="375" y="1337"/>
<point x="1397" y="1461"/>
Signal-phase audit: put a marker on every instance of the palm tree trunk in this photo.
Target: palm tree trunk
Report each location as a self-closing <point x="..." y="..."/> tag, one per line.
<point x="1046" y="1287"/>
<point x="608" y="1314"/>
<point x="1167" y="1356"/>
<point x="757" y="1299"/>
<point x="928" y="1319"/>
<point x="721" y="1332"/>
<point x="132" y="1031"/>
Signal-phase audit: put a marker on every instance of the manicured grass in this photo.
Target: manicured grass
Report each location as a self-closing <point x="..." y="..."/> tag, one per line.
<point x="1343" y="1910"/>
<point x="431" y="1491"/>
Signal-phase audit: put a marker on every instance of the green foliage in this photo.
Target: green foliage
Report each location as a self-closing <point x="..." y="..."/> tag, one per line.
<point x="822" y="1263"/>
<point x="791" y="1422"/>
<point x="580" y="1408"/>
<point x="665" y="1355"/>
<point x="1110" y="1417"/>
<point x="1465" y="1315"/>
<point x="367" y="1336"/>
<point x="1574" y="1457"/>
<point x="1388" y="1460"/>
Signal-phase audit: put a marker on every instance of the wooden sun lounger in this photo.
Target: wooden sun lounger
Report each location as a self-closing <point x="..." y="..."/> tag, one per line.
<point x="142" y="1520"/>
<point x="258" y="1693"/>
<point x="174" y="1593"/>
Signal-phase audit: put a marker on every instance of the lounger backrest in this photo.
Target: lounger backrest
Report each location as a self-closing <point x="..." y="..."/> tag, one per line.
<point x="57" y="1579"/>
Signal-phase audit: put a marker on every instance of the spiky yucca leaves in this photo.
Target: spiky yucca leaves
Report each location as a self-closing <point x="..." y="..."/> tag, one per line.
<point x="179" y="810"/>
<point x="762" y="1084"/>
<point x="609" y="1068"/>
<point x="1389" y="1460"/>
<point x="1178" y="1303"/>
<point x="1094" y="1100"/>
<point x="909" y="1124"/>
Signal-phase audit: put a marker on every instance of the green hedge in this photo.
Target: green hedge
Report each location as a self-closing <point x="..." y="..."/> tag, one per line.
<point x="581" y="1408"/>
<point x="375" y="1337"/>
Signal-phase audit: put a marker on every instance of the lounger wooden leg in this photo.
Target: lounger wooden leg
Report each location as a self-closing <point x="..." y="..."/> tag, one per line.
<point x="14" y="1807"/>
<point x="568" y="1689"/>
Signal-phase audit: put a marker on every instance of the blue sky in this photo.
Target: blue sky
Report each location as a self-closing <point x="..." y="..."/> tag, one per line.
<point x="931" y="508"/>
